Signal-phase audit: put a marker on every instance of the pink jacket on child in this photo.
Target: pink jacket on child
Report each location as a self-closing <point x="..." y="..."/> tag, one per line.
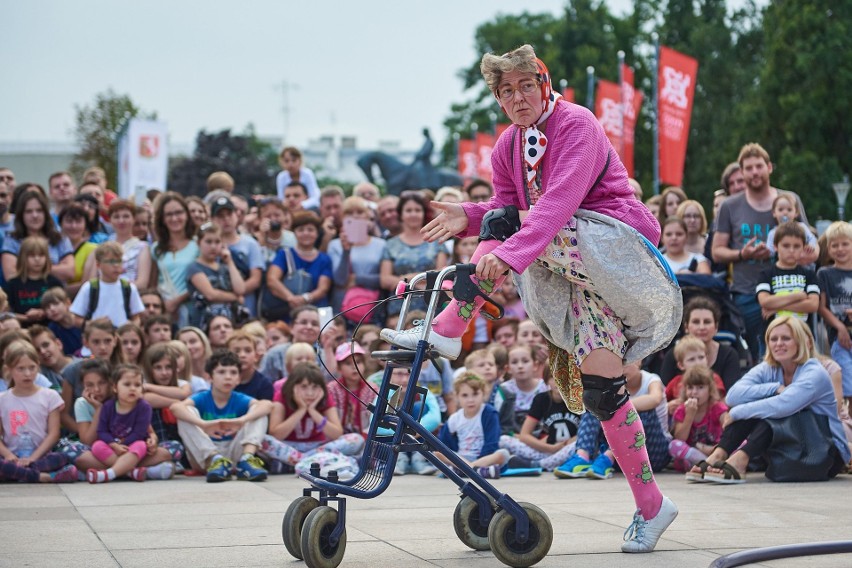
<point x="576" y="154"/>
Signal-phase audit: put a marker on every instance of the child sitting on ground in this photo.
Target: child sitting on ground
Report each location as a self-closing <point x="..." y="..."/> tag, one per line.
<point x="221" y="426"/>
<point x="689" y="352"/>
<point x="697" y="421"/>
<point x="473" y="431"/>
<point x="526" y="366"/>
<point x="354" y="415"/>
<point x="483" y="364"/>
<point x="306" y="423"/>
<point x="431" y="419"/>
<point x="547" y="435"/>
<point x="29" y="423"/>
<point x="122" y="429"/>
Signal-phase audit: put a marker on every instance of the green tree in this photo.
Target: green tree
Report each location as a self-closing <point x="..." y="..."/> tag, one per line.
<point x="801" y="109"/>
<point x="97" y="129"/>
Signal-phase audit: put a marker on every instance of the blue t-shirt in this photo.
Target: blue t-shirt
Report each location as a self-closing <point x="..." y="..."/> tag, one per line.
<point x="71" y="337"/>
<point x="57" y="252"/>
<point x="320" y="266"/>
<point x="259" y="387"/>
<point x="238" y="405"/>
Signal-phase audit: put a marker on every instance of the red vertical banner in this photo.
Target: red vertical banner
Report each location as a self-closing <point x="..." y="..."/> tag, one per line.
<point x="676" y="84"/>
<point x="467" y="159"/>
<point x="631" y="102"/>
<point x="484" y="147"/>
<point x="608" y="110"/>
<point x="568" y="94"/>
<point x="501" y="128"/>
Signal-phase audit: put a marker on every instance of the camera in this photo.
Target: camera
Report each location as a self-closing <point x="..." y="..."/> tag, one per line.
<point x="275" y="226"/>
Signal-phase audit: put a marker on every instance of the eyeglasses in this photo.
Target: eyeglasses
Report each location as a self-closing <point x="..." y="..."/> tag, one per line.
<point x="526" y="89"/>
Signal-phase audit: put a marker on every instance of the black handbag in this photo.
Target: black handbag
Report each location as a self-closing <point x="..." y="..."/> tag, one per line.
<point x="802" y="448"/>
<point x="296" y="280"/>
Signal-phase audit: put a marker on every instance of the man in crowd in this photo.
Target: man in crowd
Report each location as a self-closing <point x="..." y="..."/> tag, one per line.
<point x="745" y="220"/>
<point x="331" y="213"/>
<point x="62" y="190"/>
<point x="388" y="216"/>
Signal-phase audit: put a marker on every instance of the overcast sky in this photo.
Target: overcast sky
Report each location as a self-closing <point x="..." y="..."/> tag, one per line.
<point x="378" y="70"/>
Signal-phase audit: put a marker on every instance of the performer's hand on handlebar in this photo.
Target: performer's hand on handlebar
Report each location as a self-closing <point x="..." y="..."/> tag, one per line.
<point x="449" y="220"/>
<point x="490" y="267"/>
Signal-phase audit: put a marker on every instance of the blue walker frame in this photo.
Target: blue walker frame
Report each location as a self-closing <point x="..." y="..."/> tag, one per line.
<point x="378" y="460"/>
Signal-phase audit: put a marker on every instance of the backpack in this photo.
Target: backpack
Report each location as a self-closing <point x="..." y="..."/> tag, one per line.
<point x="95" y="290"/>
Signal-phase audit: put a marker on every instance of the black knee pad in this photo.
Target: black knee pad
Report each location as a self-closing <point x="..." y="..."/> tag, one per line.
<point x="602" y="396"/>
<point x="500" y="224"/>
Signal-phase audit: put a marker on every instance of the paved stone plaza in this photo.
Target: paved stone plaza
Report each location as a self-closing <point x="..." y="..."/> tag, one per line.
<point x="187" y="522"/>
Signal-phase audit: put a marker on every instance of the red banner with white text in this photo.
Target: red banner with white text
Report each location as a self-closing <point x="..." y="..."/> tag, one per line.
<point x="568" y="94"/>
<point x="608" y="111"/>
<point x="475" y="157"/>
<point x="676" y="84"/>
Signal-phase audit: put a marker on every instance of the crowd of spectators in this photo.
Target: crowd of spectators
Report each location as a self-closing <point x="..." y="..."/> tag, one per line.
<point x="192" y="335"/>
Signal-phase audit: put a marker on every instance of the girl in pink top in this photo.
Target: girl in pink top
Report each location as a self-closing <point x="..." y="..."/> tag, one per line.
<point x="565" y="220"/>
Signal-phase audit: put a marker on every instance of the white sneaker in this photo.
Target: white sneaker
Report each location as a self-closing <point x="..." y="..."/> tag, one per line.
<point x="642" y="535"/>
<point x="403" y="462"/>
<point x="449" y="347"/>
<point x="421" y="465"/>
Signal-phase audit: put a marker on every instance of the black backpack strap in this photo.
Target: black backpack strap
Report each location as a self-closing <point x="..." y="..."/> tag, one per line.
<point x="125" y="294"/>
<point x="94" y="293"/>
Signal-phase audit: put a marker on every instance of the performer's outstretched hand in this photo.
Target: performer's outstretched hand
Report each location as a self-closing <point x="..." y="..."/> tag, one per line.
<point x="450" y="219"/>
<point x="490" y="267"/>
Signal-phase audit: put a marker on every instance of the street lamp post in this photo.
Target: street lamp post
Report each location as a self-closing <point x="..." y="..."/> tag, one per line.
<point x="841" y="190"/>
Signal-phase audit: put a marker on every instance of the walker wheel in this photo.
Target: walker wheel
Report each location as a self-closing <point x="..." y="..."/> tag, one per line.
<point x="294" y="520"/>
<point x="317" y="551"/>
<point x="501" y="535"/>
<point x="468" y="527"/>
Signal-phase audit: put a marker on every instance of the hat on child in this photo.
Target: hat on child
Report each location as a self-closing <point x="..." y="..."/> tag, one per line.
<point x="348" y="349"/>
<point x="220" y="204"/>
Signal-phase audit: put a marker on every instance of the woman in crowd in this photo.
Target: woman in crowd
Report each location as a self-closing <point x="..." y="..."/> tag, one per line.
<point x="355" y="262"/>
<point x="32" y="219"/>
<point x="76" y="225"/>
<point x="788" y="381"/>
<point x="174" y="252"/>
<point x="695" y="219"/>
<point x="701" y="319"/>
<point x="409" y="253"/>
<point x="309" y="264"/>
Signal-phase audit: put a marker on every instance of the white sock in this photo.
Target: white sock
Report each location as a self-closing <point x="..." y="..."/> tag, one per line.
<point x="246" y="456"/>
<point x="694" y="456"/>
<point x="163" y="470"/>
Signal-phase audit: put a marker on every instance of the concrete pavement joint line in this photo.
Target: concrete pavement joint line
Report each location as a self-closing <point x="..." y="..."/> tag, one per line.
<point x="90" y="527"/>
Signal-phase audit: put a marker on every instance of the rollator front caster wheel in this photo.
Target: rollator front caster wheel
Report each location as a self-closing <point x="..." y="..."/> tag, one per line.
<point x="317" y="551"/>
<point x="468" y="527"/>
<point x="506" y="547"/>
<point x="294" y="520"/>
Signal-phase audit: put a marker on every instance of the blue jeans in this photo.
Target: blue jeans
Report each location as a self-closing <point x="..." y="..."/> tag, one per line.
<point x="843" y="357"/>
<point x="754" y="323"/>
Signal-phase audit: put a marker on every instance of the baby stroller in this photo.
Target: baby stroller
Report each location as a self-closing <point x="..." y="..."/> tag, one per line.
<point x="518" y="534"/>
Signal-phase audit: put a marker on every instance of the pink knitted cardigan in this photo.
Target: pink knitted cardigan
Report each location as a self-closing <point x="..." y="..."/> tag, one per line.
<point x="576" y="154"/>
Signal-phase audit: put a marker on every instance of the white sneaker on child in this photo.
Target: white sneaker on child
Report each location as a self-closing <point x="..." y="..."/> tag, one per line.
<point x="421" y="465"/>
<point x="165" y="470"/>
<point x="449" y="347"/>
<point x="403" y="463"/>
<point x="642" y="535"/>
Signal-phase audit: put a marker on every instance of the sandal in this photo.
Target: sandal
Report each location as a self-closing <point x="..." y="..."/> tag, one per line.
<point x="694" y="477"/>
<point x="729" y="475"/>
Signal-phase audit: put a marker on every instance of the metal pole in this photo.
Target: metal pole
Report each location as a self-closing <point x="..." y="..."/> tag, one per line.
<point x="622" y="105"/>
<point x="841" y="191"/>
<point x="492" y="116"/>
<point x="590" y="88"/>
<point x="656" y="105"/>
<point x="456" y="138"/>
<point x="474" y="130"/>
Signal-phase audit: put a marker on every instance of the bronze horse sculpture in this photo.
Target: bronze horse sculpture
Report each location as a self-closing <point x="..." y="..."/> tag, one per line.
<point x="419" y="174"/>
